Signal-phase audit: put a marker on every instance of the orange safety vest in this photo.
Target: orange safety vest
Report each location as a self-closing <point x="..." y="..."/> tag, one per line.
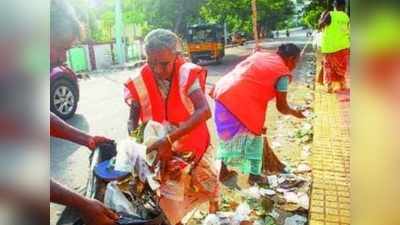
<point x="246" y="90"/>
<point x="177" y="107"/>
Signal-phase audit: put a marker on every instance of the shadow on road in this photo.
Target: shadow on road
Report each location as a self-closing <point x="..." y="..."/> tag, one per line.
<point x="79" y="121"/>
<point x="61" y="150"/>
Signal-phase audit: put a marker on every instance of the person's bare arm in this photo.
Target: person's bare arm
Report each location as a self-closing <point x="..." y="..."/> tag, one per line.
<point x="92" y="211"/>
<point x="61" y="129"/>
<point x="283" y="107"/>
<point x="325" y="20"/>
<point x="134" y="113"/>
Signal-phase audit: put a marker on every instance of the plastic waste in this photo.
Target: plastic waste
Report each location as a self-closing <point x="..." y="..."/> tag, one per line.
<point x="211" y="219"/>
<point x="303" y="200"/>
<point x="131" y="158"/>
<point x="242" y="212"/>
<point x="252" y="192"/>
<point x="128" y="152"/>
<point x="272" y="181"/>
<point x="295" y="220"/>
<point x="303" y="168"/>
<point x="153" y="132"/>
<point x="116" y="200"/>
<point x="267" y="192"/>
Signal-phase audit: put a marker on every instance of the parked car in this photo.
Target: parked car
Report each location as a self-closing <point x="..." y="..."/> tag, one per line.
<point x="64" y="91"/>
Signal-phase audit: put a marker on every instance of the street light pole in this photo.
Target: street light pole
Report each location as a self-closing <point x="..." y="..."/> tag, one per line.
<point x="119" y="26"/>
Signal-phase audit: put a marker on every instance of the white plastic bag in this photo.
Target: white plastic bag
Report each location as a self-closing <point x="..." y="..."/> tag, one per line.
<point x="242" y="212"/>
<point x="153" y="132"/>
<point x="295" y="220"/>
<point x="211" y="219"/>
<point x="128" y="152"/>
<point x="116" y="200"/>
<point x="131" y="158"/>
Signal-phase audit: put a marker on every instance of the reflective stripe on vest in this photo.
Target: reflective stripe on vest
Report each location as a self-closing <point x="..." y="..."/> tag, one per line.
<point x="336" y="36"/>
<point x="144" y="99"/>
<point x="184" y="73"/>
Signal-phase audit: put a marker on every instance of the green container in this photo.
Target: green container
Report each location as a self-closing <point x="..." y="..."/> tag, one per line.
<point x="77" y="59"/>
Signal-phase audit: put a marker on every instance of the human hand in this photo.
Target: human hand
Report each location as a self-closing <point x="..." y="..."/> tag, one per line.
<point x="95" y="141"/>
<point x="95" y="213"/>
<point x="163" y="143"/>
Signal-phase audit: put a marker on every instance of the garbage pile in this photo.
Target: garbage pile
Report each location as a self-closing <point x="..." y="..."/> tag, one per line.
<point x="284" y="202"/>
<point x="286" y="198"/>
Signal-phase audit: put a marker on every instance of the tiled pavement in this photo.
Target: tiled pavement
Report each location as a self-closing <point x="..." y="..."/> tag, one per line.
<point x="330" y="195"/>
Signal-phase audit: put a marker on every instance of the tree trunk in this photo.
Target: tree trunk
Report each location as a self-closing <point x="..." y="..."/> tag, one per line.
<point x="179" y="15"/>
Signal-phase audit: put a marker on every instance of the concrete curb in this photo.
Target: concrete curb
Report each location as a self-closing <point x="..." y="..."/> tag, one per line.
<point x="116" y="68"/>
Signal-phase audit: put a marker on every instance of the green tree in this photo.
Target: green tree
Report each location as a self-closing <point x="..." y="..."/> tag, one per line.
<point x="313" y="11"/>
<point x="271" y="14"/>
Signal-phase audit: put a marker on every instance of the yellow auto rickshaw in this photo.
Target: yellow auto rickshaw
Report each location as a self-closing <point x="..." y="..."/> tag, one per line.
<point x="205" y="42"/>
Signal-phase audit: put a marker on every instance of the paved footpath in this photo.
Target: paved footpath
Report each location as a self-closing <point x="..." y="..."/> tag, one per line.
<point x="330" y="160"/>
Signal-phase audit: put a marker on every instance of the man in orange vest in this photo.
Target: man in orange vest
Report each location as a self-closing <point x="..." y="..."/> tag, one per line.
<point x="241" y="99"/>
<point x="170" y="91"/>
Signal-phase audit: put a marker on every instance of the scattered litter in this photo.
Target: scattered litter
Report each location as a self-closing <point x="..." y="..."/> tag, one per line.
<point x="307" y="126"/>
<point x="275" y="145"/>
<point x="288" y="169"/>
<point x="252" y="192"/>
<point x="241" y="214"/>
<point x="211" y="219"/>
<point x="291" y="197"/>
<point x="274" y="214"/>
<point x="268" y="192"/>
<point x="282" y="190"/>
<point x="281" y="179"/>
<point x="289" y="207"/>
<point x="199" y="214"/>
<point x="295" y="220"/>
<point x="309" y="114"/>
<point x="303" y="168"/>
<point x="272" y="181"/>
<point x="306" y="148"/>
<point x="292" y="183"/>
<point x="306" y="152"/>
<point x="303" y="200"/>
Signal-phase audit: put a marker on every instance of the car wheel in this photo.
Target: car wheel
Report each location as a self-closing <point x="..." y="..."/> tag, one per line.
<point x="63" y="98"/>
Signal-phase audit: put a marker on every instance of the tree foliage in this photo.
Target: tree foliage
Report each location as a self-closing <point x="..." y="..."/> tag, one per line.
<point x="313" y="11"/>
<point x="98" y="18"/>
<point x="271" y="14"/>
<point x="98" y="15"/>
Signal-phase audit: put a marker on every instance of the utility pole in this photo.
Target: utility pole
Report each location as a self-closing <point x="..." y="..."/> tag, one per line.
<point x="119" y="27"/>
<point x="255" y="32"/>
